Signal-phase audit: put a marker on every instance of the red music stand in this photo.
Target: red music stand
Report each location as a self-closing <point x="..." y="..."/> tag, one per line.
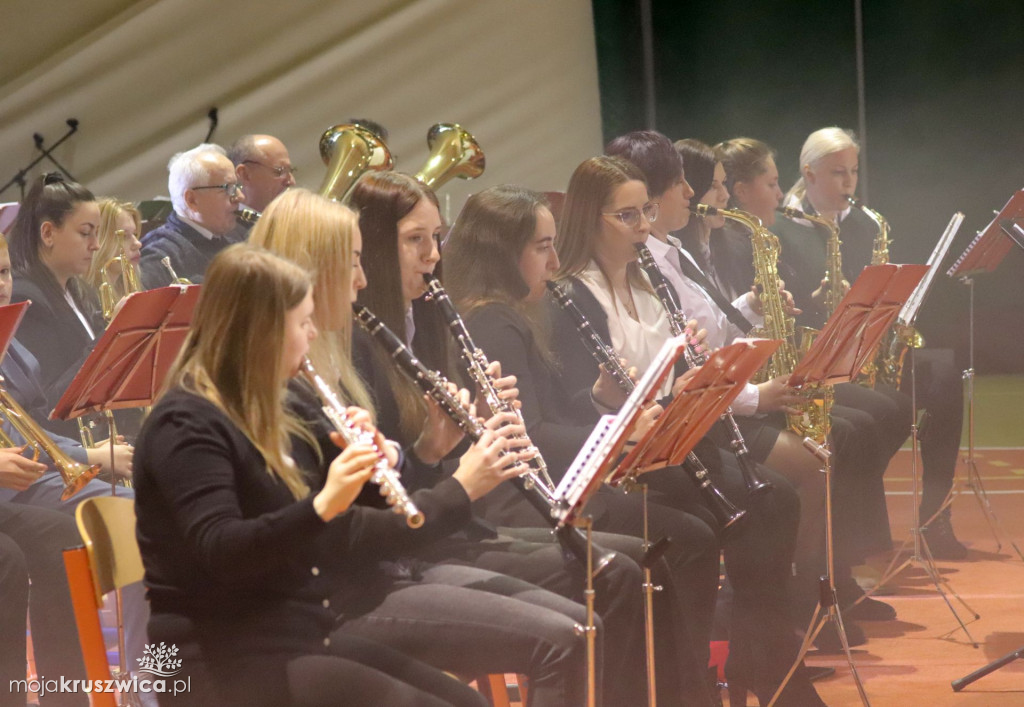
<point x="686" y="419"/>
<point x="983" y="255"/>
<point x="10" y="318"/>
<point x="673" y="435"/>
<point x="992" y="243"/>
<point x="845" y="344"/>
<point x="127" y="367"/>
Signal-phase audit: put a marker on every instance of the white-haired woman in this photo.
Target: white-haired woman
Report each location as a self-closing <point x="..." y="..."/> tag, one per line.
<point x="828" y="165"/>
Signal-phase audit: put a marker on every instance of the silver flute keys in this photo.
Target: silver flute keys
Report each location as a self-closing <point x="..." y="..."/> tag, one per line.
<point x="383" y="474"/>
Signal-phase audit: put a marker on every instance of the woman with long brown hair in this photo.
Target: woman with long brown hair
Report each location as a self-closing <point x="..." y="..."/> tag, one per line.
<point x="401" y="225"/>
<point x="607" y="211"/>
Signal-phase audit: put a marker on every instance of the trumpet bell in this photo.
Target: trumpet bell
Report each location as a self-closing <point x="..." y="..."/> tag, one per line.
<point x="454" y="152"/>
<point x="75" y="476"/>
<point x="349" y="151"/>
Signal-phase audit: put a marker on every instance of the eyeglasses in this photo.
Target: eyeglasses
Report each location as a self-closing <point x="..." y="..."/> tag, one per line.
<point x="631" y="216"/>
<point x="232" y="190"/>
<point x="278" y="171"/>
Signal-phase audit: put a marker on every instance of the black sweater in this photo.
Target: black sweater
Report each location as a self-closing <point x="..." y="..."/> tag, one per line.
<point x="226" y="545"/>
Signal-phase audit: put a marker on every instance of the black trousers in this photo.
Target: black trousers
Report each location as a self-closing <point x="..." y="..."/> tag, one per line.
<point x="473" y="621"/>
<point x="224" y="666"/>
<point x="688" y="575"/>
<point x="31" y="541"/>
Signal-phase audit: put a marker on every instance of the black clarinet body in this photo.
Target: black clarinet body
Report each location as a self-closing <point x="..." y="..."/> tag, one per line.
<point x="432" y="383"/>
<point x="755" y="483"/>
<point x="476" y="364"/>
<point x="725" y="512"/>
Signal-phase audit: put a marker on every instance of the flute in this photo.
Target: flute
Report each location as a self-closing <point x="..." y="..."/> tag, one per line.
<point x="383" y="474"/>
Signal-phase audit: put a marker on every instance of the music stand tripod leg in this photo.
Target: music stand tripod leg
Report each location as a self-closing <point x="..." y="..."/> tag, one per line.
<point x="995" y="665"/>
<point x="923" y="559"/>
<point x="973" y="476"/>
<point x="828" y="606"/>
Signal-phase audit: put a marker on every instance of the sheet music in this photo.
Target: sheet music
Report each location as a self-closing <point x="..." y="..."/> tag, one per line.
<point x="610" y="431"/>
<point x="572" y="486"/>
<point x="912" y="306"/>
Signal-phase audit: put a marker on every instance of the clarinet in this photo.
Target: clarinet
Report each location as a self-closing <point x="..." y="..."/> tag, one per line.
<point x="756" y="484"/>
<point x="476" y="364"/>
<point x="383" y="475"/>
<point x="725" y="512"/>
<point x="433" y="384"/>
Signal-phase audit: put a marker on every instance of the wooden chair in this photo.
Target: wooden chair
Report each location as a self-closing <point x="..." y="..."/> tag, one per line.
<point x="110" y="560"/>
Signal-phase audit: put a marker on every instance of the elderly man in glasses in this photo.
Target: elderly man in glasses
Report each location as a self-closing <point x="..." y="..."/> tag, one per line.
<point x="205" y="194"/>
<point x="263" y="167"/>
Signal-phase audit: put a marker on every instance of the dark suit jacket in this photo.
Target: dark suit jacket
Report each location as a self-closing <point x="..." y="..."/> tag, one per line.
<point x="20" y="370"/>
<point x="53" y="333"/>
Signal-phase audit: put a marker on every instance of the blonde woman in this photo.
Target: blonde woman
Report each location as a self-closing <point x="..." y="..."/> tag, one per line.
<point x="467" y="620"/>
<point x="120" y="228"/>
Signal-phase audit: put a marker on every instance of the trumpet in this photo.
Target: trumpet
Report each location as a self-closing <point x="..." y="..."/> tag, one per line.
<point x="175" y="280"/>
<point x="572" y="539"/>
<point x="453" y="153"/>
<point x="476" y="363"/>
<point x="129" y="276"/>
<point x="74" y="474"/>
<point x="725" y="511"/>
<point x="383" y="474"/>
<point x="755" y="483"/>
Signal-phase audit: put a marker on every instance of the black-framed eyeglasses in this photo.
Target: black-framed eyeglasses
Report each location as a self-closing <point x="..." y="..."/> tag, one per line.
<point x="279" y="171"/>
<point x="631" y="216"/>
<point x="232" y="190"/>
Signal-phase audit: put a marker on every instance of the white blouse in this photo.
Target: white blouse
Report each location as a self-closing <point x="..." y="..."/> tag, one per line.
<point x="636" y="341"/>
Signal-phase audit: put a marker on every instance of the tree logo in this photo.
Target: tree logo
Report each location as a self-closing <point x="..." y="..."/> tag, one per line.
<point x="160" y="660"/>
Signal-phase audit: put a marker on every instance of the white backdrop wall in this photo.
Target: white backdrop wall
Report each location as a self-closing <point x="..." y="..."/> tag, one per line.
<point x="521" y="75"/>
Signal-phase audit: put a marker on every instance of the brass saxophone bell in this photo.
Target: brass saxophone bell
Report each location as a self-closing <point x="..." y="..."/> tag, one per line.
<point x="349" y="150"/>
<point x="453" y="153"/>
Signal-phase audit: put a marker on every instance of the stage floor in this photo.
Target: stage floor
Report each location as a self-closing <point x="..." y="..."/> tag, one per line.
<point x="911" y="661"/>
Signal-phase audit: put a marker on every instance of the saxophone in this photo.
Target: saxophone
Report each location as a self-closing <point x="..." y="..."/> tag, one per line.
<point x="886" y="365"/>
<point x="811" y="420"/>
<point x="833" y="256"/>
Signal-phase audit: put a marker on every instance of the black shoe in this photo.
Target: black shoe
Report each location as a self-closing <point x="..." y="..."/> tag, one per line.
<point x="813" y="673"/>
<point x="854" y="604"/>
<point x="941" y="540"/>
<point x="828" y="638"/>
<point x="869" y="609"/>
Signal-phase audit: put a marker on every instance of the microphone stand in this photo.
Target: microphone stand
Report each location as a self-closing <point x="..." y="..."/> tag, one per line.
<point x="47" y="152"/>
<point x="19" y="177"/>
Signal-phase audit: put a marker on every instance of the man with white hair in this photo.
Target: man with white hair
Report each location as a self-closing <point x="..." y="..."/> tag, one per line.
<point x="263" y="167"/>
<point x="205" y="194"/>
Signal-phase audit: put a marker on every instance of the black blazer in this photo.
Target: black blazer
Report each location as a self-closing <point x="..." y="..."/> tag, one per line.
<point x="53" y="333"/>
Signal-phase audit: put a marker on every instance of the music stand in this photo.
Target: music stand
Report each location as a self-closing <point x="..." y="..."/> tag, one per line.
<point x="127" y="367"/>
<point x="844" y="345"/>
<point x="685" y="420"/>
<point x="983" y="255"/>
<point x="906" y="319"/>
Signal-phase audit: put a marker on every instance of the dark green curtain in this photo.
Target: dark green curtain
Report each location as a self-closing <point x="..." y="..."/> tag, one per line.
<point x="945" y="116"/>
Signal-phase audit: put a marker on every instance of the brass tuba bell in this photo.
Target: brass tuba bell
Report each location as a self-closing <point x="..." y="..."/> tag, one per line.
<point x="453" y="153"/>
<point x="348" y="150"/>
